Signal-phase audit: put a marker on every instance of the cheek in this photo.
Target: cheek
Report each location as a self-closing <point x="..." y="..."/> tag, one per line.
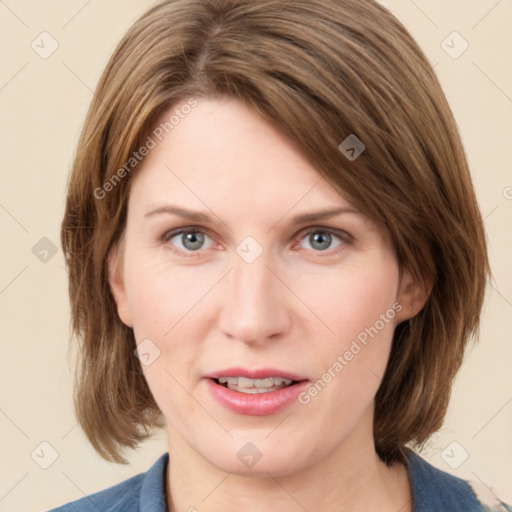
<point x="165" y="303"/>
<point x="359" y="306"/>
<point x="354" y="299"/>
<point x="149" y="300"/>
<point x="161" y="295"/>
<point x="172" y="307"/>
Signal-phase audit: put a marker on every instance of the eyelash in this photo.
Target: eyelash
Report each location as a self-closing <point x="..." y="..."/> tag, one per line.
<point x="344" y="237"/>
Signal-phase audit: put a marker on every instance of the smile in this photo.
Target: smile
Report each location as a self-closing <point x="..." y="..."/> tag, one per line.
<point x="242" y="396"/>
<point x="254" y="386"/>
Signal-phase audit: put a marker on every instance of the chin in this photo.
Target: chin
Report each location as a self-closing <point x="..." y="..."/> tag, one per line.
<point x="258" y="458"/>
<point x="277" y="467"/>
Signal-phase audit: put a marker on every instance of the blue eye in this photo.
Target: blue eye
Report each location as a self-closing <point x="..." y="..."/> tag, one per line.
<point x="189" y="240"/>
<point x="319" y="240"/>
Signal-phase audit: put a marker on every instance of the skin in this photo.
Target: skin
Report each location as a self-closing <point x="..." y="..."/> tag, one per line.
<point x="296" y="308"/>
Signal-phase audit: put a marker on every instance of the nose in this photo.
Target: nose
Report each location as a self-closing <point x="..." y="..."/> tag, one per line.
<point x="255" y="308"/>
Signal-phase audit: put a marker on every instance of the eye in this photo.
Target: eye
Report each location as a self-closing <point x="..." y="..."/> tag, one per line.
<point x="320" y="240"/>
<point x="189" y="240"/>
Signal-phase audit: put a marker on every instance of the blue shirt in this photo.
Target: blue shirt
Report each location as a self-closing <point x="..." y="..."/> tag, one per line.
<point x="433" y="490"/>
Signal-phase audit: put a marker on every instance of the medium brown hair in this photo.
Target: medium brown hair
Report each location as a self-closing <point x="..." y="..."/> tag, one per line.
<point x="320" y="70"/>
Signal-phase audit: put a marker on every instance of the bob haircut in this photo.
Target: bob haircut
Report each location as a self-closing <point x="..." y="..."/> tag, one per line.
<point x="319" y="70"/>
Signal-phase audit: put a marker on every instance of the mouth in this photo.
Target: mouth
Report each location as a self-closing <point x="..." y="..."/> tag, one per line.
<point x="254" y="386"/>
<point x="255" y="392"/>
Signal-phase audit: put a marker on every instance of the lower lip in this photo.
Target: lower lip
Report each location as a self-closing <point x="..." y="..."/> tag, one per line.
<point x="260" y="404"/>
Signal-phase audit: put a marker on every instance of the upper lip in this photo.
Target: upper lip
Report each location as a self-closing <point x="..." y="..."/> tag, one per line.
<point x="256" y="373"/>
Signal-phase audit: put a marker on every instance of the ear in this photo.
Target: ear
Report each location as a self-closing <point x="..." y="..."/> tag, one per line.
<point x="116" y="282"/>
<point x="412" y="295"/>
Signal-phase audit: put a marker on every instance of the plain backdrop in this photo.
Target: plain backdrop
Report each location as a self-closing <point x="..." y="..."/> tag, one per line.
<point x="44" y="96"/>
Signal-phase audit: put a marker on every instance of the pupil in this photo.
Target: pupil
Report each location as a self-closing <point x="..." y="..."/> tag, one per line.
<point x="320" y="241"/>
<point x="192" y="241"/>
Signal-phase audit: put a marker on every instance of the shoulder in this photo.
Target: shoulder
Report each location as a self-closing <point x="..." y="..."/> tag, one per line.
<point x="436" y="490"/>
<point x="140" y="493"/>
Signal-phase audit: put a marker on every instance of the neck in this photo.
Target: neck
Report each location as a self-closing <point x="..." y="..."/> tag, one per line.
<point x="349" y="478"/>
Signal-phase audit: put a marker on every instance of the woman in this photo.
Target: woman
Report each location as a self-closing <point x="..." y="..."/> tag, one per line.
<point x="275" y="251"/>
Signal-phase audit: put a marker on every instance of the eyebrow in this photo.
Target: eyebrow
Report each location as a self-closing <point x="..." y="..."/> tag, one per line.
<point x="181" y="212"/>
<point x="198" y="216"/>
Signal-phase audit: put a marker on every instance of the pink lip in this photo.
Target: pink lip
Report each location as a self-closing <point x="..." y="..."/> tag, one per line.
<point x="261" y="404"/>
<point x="261" y="373"/>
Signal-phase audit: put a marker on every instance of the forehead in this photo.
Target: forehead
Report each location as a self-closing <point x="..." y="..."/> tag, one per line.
<point x="223" y="150"/>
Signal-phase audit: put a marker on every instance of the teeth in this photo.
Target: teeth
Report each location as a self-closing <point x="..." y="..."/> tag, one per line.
<point x="248" y="383"/>
<point x="231" y="380"/>
<point x="281" y="380"/>
<point x="252" y="386"/>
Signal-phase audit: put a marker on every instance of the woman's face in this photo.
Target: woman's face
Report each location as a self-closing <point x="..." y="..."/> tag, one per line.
<point x="240" y="260"/>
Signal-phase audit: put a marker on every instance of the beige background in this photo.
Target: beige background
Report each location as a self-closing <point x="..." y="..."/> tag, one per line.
<point x="43" y="104"/>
